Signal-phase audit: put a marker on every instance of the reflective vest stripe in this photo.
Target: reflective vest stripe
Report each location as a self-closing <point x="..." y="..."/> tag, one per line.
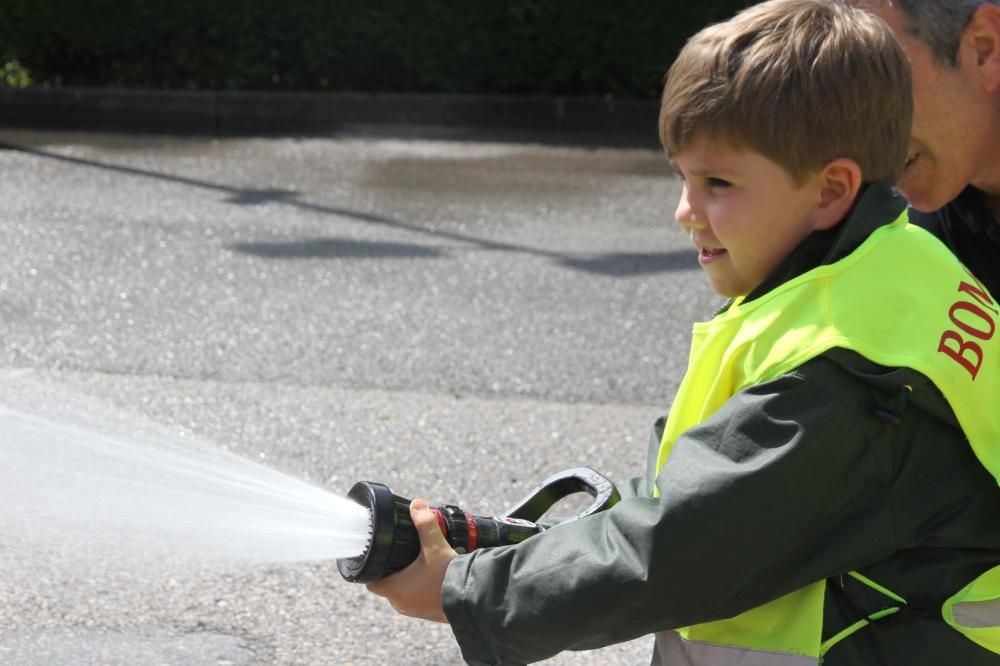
<point x="978" y="614"/>
<point x="975" y="610"/>
<point x="675" y="651"/>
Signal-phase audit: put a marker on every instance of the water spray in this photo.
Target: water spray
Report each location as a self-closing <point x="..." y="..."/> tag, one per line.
<point x="394" y="543"/>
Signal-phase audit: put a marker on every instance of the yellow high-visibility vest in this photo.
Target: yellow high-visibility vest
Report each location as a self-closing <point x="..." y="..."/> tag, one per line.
<point x="900" y="300"/>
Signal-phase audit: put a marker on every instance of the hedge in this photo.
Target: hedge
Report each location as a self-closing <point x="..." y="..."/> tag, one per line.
<point x="564" y="47"/>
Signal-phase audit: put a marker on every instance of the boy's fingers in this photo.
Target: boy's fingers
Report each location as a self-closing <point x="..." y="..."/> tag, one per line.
<point x="428" y="528"/>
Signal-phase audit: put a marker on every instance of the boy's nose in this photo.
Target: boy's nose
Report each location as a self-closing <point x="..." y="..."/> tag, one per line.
<point x="685" y="213"/>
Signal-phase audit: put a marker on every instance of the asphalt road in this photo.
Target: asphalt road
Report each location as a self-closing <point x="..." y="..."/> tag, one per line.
<point x="455" y="318"/>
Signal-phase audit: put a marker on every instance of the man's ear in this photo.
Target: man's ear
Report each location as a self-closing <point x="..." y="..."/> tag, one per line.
<point x="837" y="185"/>
<point x="981" y="46"/>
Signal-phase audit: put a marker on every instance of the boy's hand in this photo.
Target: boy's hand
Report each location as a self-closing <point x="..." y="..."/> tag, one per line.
<point x="416" y="590"/>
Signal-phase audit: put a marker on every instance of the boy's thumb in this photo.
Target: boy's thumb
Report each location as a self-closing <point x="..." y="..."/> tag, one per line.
<point x="428" y="528"/>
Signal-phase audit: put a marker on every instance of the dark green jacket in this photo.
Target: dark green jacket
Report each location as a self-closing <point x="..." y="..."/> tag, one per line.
<point x="800" y="479"/>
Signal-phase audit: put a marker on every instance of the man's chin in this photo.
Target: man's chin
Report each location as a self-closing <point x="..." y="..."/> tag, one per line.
<point x="926" y="200"/>
<point x="924" y="206"/>
<point x="926" y="185"/>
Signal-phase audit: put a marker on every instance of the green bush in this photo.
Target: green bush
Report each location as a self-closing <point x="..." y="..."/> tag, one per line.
<point x="13" y="75"/>
<point x="581" y="47"/>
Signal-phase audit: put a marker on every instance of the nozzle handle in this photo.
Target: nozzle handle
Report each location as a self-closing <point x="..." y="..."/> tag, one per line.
<point x="563" y="484"/>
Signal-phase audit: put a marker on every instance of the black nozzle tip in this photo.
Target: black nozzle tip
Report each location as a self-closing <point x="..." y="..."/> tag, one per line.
<point x="371" y="564"/>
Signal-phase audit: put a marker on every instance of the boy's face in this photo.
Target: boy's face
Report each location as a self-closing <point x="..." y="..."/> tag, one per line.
<point x="744" y="213"/>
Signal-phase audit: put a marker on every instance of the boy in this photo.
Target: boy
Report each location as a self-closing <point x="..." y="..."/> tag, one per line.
<point x="812" y="495"/>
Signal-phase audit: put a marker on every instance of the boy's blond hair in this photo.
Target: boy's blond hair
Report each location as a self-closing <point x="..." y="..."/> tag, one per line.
<point x="801" y="82"/>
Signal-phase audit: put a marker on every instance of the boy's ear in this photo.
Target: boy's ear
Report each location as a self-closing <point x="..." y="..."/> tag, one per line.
<point x="981" y="45"/>
<point x="837" y="185"/>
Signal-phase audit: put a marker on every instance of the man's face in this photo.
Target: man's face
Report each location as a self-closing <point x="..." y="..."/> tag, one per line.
<point x="744" y="213"/>
<point x="954" y="122"/>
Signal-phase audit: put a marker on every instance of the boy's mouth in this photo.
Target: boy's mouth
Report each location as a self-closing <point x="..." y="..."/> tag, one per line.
<point x="707" y="255"/>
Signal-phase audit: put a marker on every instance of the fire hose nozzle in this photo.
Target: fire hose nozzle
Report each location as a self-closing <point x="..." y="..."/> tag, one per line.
<point x="394" y="542"/>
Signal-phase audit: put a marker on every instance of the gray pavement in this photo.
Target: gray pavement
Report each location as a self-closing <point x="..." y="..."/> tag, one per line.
<point x="455" y="318"/>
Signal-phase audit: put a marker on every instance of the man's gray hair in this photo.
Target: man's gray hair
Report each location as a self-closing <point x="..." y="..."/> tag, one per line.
<point x="938" y="24"/>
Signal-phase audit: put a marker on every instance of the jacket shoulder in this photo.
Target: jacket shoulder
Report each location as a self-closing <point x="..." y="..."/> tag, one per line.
<point x="875" y="387"/>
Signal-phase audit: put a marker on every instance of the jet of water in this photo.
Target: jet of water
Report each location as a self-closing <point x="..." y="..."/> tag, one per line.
<point x="77" y="474"/>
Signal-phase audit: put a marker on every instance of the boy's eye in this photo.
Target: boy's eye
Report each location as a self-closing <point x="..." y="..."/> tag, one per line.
<point x="717" y="182"/>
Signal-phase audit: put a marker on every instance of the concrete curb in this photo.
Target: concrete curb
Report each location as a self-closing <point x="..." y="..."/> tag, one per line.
<point x="237" y="112"/>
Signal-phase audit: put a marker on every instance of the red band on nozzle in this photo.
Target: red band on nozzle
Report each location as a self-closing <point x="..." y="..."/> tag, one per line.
<point x="440" y="516"/>
<point x="473" y="531"/>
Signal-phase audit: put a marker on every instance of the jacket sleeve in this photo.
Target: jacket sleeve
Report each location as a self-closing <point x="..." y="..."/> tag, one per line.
<point x="777" y="490"/>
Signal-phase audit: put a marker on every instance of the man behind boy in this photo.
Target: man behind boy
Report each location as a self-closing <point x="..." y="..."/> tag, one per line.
<point x="953" y="172"/>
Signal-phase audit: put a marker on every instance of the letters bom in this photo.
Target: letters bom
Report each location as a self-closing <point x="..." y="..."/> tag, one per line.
<point x="974" y="319"/>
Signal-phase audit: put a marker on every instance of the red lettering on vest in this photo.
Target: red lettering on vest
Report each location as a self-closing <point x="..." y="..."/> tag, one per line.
<point x="975" y="322"/>
<point x="976" y="280"/>
<point x="969" y="328"/>
<point x="958" y="352"/>
<point x="979" y="294"/>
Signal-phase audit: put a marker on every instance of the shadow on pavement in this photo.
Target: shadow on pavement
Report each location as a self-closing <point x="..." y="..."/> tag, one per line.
<point x="628" y="264"/>
<point x="337" y="248"/>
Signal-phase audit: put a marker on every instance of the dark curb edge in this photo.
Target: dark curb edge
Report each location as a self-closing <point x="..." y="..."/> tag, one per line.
<point x="240" y="112"/>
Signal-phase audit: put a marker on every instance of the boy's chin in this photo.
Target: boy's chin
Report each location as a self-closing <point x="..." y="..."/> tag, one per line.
<point x="731" y="284"/>
<point x="729" y="291"/>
